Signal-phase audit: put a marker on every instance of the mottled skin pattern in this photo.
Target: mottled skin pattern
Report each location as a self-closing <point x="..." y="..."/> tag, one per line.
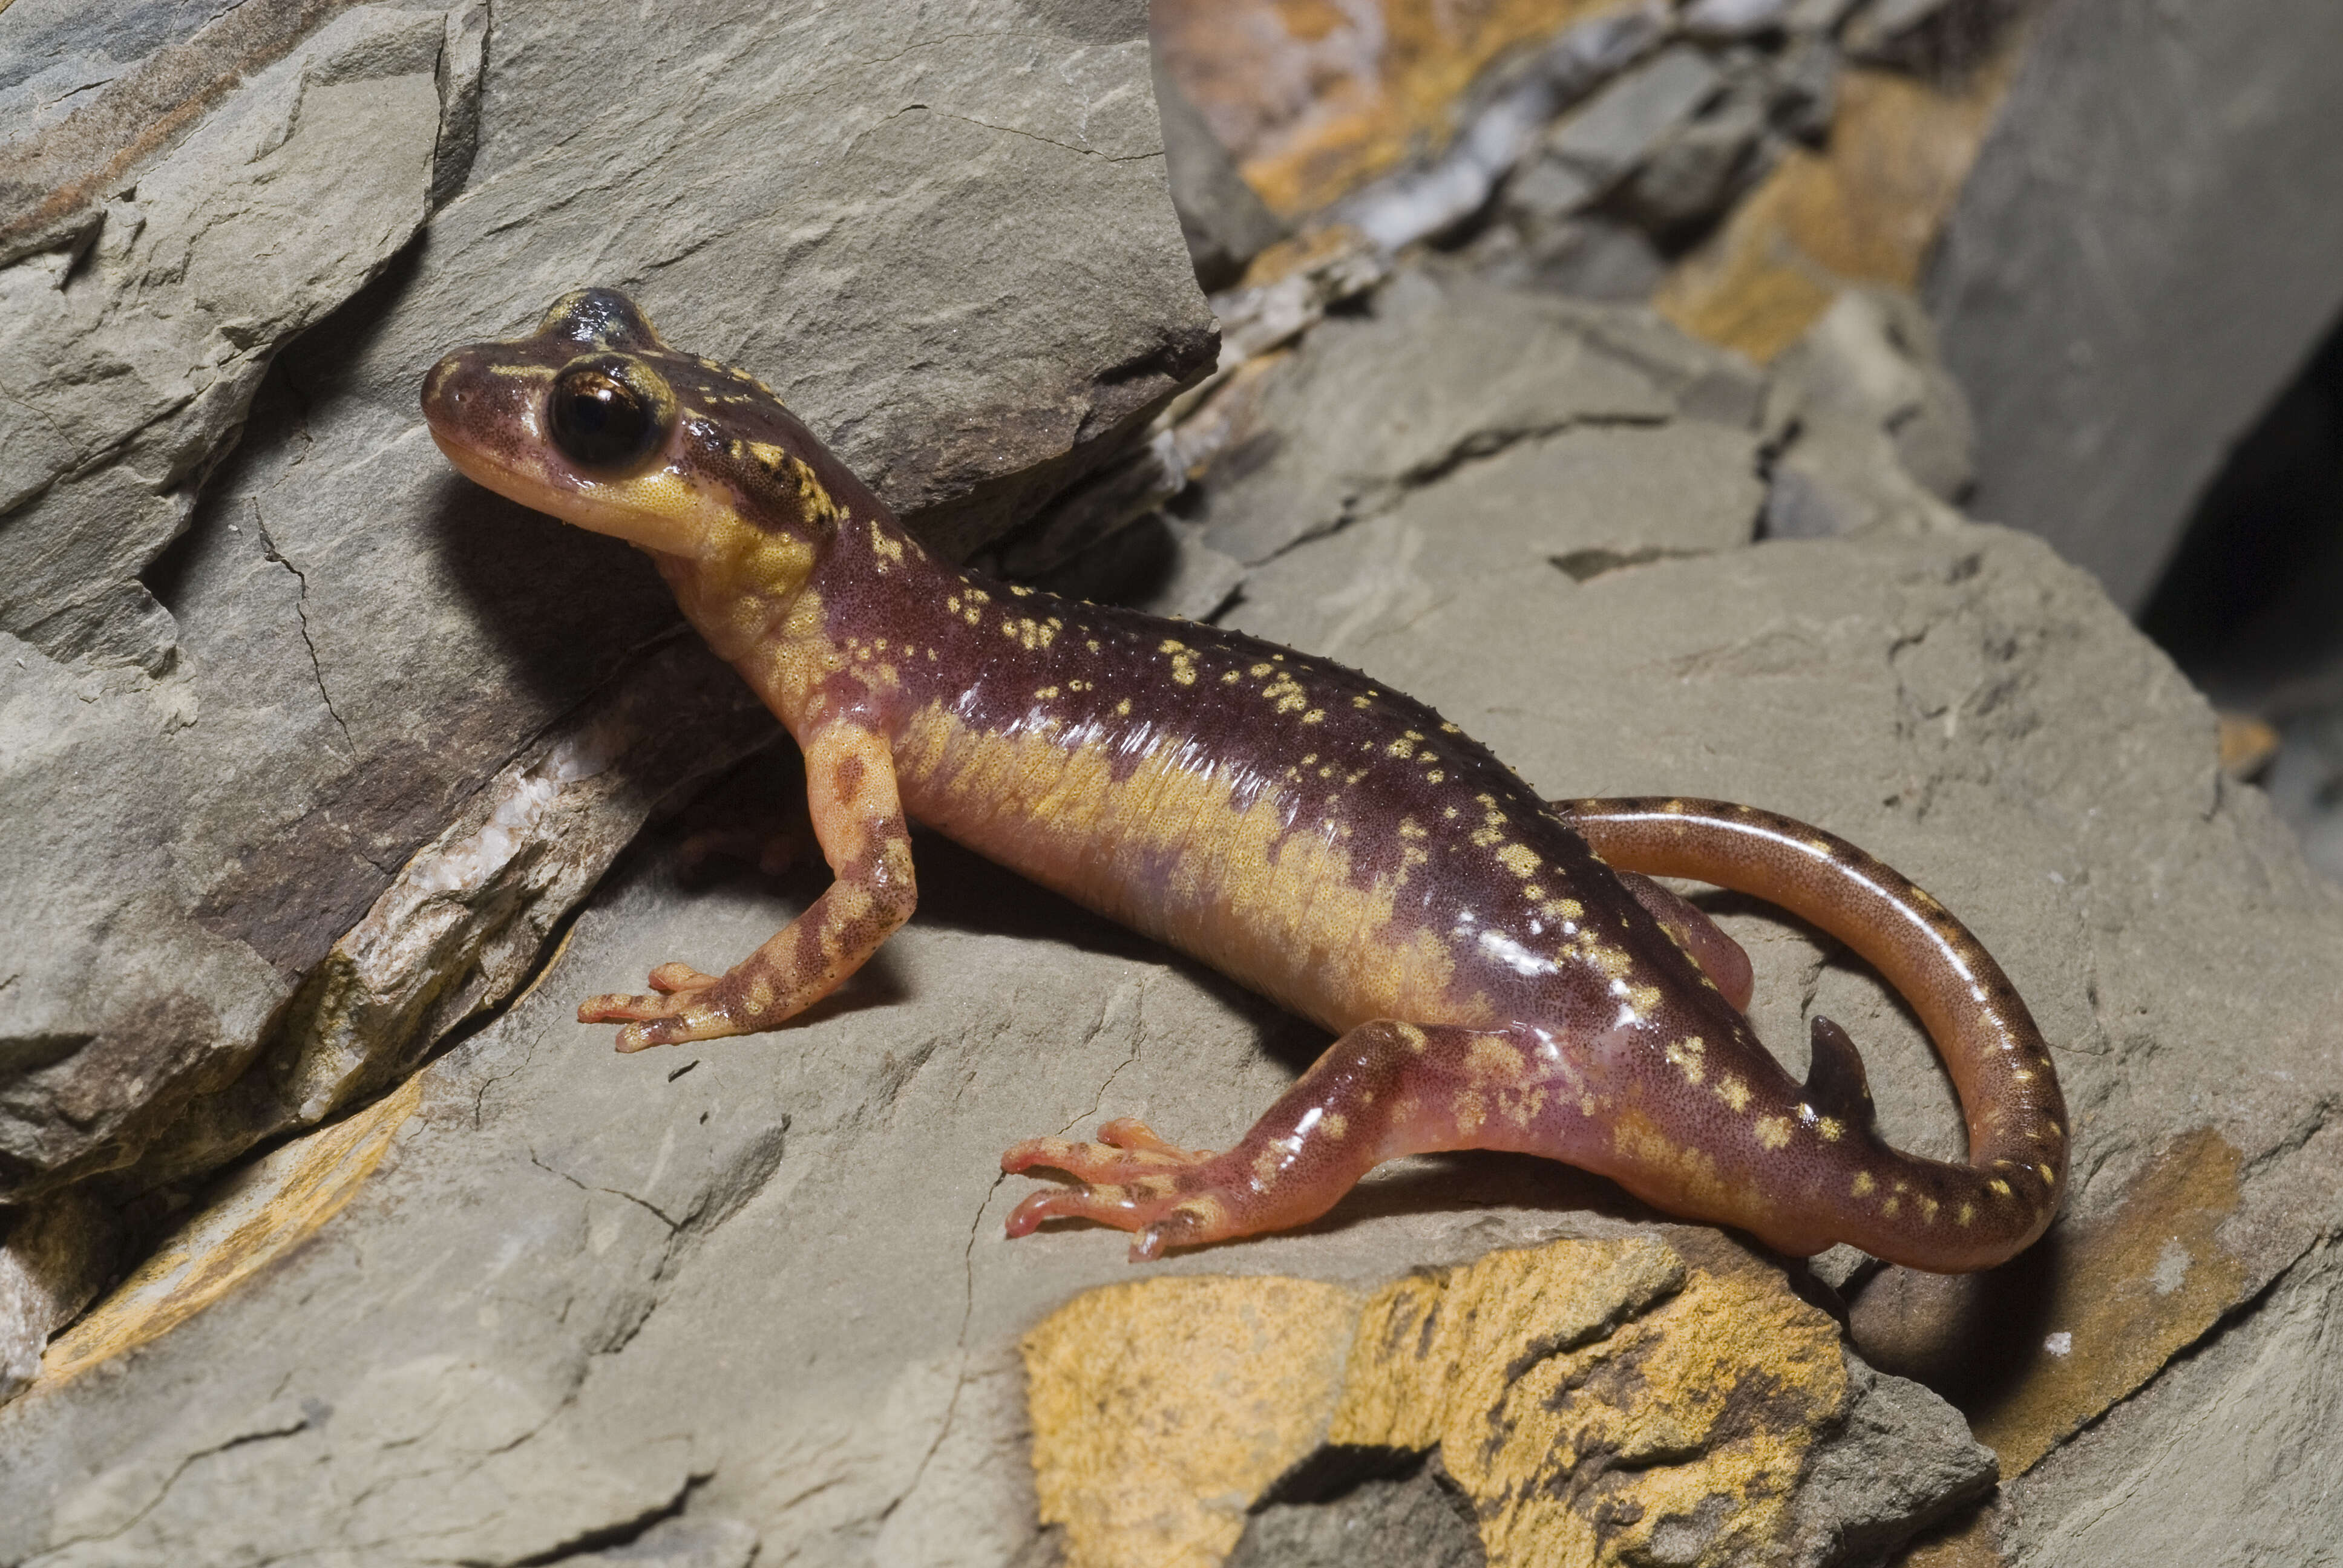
<point x="1338" y="847"/>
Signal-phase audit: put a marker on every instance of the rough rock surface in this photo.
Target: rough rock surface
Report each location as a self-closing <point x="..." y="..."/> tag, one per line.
<point x="948" y="241"/>
<point x="1441" y="371"/>
<point x="1871" y="429"/>
<point x="761" y="1282"/>
<point x="1415" y="1518"/>
<point x="134" y="349"/>
<point x="1224" y="223"/>
<point x="2229" y="1458"/>
<point x="2123" y="294"/>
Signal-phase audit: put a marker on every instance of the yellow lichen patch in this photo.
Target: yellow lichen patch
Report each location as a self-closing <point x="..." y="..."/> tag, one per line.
<point x="1381" y="78"/>
<point x="1593" y="1400"/>
<point x="1864" y="212"/>
<point x="1161" y="1408"/>
<point x="263" y="1214"/>
<point x="1589" y="1396"/>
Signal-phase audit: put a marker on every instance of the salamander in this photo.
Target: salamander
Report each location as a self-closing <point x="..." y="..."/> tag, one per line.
<point x="1499" y="971"/>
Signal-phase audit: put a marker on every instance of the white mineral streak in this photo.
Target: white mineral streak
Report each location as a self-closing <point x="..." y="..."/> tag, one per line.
<point x="468" y="914"/>
<point x="1257" y="319"/>
<point x="549" y="832"/>
<point x="523" y="793"/>
<point x="1421" y="202"/>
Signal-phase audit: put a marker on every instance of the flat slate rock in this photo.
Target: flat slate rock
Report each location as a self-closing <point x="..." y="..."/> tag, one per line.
<point x="948" y="242"/>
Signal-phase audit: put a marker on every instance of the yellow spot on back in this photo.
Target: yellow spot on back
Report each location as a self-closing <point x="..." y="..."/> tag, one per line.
<point x="1686" y="1055"/>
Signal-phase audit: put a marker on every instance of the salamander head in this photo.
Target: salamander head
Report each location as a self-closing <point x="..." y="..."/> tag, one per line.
<point x="597" y="421"/>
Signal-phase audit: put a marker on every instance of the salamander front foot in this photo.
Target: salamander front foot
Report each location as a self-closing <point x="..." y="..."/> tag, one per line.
<point x="1133" y="1180"/>
<point x="679" y="1011"/>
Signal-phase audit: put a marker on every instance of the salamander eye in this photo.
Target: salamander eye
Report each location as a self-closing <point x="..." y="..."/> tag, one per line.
<point x="607" y="415"/>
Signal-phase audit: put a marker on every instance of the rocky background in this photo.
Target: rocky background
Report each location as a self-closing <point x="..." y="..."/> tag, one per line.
<point x="1611" y="375"/>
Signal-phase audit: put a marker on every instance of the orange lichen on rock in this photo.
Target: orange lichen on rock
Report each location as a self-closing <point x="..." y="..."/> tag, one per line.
<point x="2032" y="1351"/>
<point x="1594" y="1399"/>
<point x="264" y="1213"/>
<point x="1313" y="97"/>
<point x="1161" y="1408"/>
<point x="1864" y="210"/>
<point x="2129" y="1292"/>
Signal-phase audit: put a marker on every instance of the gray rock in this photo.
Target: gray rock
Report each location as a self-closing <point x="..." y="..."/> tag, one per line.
<point x="1226" y="225"/>
<point x="2122" y="295"/>
<point x="90" y="99"/>
<point x="1442" y="370"/>
<point x="1257" y="319"/>
<point x="951" y="248"/>
<point x="1904" y="1460"/>
<point x="1590" y="257"/>
<point x="1874" y="30"/>
<point x="2227" y="1460"/>
<point x="1733" y="18"/>
<point x="54" y="1259"/>
<point x="1875" y="429"/>
<point x="1159" y="563"/>
<point x="1812" y="16"/>
<point x="1414" y="1520"/>
<point x="1701" y="166"/>
<point x="1805" y="90"/>
<point x="685" y="1542"/>
<point x="1576" y="505"/>
<point x="1426" y="200"/>
<point x="1621" y="125"/>
<point x="134" y="351"/>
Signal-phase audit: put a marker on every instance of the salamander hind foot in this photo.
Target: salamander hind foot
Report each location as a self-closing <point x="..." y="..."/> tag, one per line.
<point x="1384" y="1089"/>
<point x="1131" y="1179"/>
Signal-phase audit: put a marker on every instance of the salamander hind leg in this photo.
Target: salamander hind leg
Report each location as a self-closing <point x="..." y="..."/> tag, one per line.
<point x="1383" y="1089"/>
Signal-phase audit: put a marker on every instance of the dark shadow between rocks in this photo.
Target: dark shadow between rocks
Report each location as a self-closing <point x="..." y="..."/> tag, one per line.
<point x="567" y="609"/>
<point x="1344" y="1506"/>
<point x="1972" y="1337"/>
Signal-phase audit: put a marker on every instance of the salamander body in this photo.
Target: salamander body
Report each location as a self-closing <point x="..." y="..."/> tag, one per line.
<point x="1499" y="969"/>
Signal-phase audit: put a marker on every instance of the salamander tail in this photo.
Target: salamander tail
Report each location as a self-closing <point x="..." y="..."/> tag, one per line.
<point x="1928" y="1214"/>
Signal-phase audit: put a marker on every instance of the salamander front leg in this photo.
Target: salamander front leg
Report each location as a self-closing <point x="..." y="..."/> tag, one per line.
<point x="1383" y="1089"/>
<point x="859" y="819"/>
